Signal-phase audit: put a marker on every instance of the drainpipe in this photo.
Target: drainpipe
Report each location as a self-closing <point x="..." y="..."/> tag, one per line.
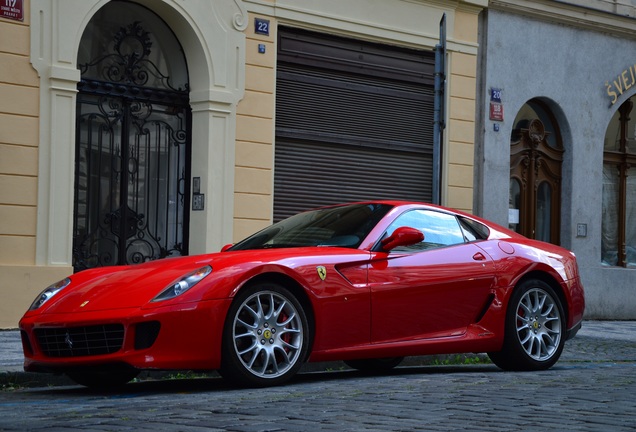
<point x="438" y="109"/>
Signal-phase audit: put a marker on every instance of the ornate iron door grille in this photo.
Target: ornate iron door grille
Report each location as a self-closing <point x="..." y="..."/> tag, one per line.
<point x="132" y="159"/>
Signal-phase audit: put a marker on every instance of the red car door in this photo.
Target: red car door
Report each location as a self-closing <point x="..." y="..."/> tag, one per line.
<point x="431" y="290"/>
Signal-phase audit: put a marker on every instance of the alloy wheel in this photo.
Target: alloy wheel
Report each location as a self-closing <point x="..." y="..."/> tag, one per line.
<point x="267" y="334"/>
<point x="538" y="323"/>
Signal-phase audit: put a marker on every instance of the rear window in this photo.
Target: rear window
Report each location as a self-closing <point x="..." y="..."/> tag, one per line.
<point x="473" y="230"/>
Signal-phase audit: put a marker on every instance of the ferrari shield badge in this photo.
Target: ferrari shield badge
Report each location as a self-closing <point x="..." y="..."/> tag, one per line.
<point x="322" y="272"/>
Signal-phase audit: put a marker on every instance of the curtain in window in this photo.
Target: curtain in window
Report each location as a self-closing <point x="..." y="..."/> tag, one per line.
<point x="630" y="228"/>
<point x="609" y="229"/>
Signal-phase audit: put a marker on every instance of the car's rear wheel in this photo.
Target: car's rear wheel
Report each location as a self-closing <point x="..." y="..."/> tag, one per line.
<point x="266" y="336"/>
<point x="534" y="328"/>
<point x="377" y="365"/>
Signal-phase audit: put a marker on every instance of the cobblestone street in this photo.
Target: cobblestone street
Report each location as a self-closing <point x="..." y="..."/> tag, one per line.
<point x="591" y="388"/>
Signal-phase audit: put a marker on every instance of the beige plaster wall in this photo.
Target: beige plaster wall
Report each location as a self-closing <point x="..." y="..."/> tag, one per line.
<point x="254" y="175"/>
<point x="19" y="111"/>
<point x="19" y="106"/>
<point x="460" y="126"/>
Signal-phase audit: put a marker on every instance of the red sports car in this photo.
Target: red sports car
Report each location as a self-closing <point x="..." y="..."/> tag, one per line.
<point x="368" y="283"/>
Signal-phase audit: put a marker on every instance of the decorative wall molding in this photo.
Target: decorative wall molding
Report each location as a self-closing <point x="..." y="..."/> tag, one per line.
<point x="568" y="13"/>
<point x="215" y="48"/>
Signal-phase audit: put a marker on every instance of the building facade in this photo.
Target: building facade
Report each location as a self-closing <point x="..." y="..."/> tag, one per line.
<point x="555" y="146"/>
<point x="135" y="130"/>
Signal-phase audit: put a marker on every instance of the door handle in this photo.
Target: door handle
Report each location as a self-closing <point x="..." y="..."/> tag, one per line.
<point x="479" y="257"/>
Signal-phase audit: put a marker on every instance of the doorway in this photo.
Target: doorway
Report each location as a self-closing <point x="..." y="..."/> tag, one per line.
<point x="133" y="128"/>
<point x="536" y="157"/>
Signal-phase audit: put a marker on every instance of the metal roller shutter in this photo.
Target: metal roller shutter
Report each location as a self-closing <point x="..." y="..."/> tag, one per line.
<point x="312" y="175"/>
<point x="353" y="122"/>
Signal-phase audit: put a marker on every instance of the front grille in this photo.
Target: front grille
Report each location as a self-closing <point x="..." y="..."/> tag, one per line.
<point x="80" y="341"/>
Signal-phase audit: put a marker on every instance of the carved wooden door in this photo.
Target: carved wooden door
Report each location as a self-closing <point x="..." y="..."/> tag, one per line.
<point x="535" y="184"/>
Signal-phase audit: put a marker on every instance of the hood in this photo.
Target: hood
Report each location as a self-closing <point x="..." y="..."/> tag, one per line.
<point x="122" y="286"/>
<point x="135" y="286"/>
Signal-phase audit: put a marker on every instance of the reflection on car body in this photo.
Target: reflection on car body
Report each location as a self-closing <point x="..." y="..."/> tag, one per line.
<point x="368" y="283"/>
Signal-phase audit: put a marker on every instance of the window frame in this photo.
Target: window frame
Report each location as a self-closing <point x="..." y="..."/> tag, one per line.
<point x="622" y="160"/>
<point x="467" y="232"/>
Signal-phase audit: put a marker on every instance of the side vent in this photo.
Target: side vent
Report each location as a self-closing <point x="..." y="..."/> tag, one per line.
<point x="26" y="343"/>
<point x="146" y="334"/>
<point x="489" y="301"/>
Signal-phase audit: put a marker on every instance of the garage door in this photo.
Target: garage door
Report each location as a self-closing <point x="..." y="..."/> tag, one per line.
<point x="354" y="121"/>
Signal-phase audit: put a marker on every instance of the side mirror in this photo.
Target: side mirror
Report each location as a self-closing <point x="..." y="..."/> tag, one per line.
<point x="403" y="236"/>
<point x="226" y="247"/>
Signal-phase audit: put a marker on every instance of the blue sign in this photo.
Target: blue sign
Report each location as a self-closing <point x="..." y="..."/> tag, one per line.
<point x="495" y="95"/>
<point x="261" y="26"/>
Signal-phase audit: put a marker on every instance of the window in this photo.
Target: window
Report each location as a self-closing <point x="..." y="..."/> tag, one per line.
<point x="473" y="230"/>
<point x="344" y="226"/>
<point x="618" y="236"/>
<point x="440" y="229"/>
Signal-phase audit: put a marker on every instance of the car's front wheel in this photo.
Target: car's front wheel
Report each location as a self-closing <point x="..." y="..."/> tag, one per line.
<point x="534" y="328"/>
<point x="266" y="336"/>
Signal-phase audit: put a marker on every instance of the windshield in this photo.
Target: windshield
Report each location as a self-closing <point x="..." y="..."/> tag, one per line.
<point x="344" y="226"/>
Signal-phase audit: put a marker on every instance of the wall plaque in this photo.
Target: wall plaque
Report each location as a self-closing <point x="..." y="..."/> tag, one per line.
<point x="12" y="9"/>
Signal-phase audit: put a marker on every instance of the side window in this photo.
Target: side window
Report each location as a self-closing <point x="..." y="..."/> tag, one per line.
<point x="440" y="229"/>
<point x="473" y="230"/>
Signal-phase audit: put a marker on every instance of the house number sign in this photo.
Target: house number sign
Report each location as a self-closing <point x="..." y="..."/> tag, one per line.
<point x="261" y="26"/>
<point x="12" y="9"/>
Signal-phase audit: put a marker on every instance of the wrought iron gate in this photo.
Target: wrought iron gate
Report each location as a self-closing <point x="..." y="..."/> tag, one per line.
<point x="132" y="159"/>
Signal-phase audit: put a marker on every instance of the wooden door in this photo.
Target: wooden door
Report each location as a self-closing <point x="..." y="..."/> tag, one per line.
<point x="535" y="183"/>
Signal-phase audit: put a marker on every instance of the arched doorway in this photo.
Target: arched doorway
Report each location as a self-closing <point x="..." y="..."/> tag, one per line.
<point x="536" y="155"/>
<point x="133" y="127"/>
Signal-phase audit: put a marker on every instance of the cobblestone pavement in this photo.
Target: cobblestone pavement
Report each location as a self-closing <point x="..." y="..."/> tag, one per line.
<point x="592" y="388"/>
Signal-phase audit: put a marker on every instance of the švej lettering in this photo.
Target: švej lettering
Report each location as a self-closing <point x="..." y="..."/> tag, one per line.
<point x="621" y="84"/>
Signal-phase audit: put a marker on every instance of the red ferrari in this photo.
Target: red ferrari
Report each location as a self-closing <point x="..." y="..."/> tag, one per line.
<point x="368" y="283"/>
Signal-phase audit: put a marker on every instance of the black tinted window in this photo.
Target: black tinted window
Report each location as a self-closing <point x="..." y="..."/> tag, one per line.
<point x="344" y="226"/>
<point x="473" y="230"/>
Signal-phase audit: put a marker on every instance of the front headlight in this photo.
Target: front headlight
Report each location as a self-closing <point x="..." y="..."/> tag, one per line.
<point x="49" y="292"/>
<point x="183" y="284"/>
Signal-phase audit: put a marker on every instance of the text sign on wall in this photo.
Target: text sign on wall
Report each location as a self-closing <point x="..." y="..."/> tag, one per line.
<point x="12" y="9"/>
<point x="261" y="26"/>
<point x="495" y="95"/>
<point x="496" y="107"/>
<point x="496" y="111"/>
<point x="623" y="82"/>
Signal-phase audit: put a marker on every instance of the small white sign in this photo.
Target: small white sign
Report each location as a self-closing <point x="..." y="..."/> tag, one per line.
<point x="513" y="216"/>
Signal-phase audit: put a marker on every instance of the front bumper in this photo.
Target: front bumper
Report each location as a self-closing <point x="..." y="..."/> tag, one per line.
<point x="181" y="336"/>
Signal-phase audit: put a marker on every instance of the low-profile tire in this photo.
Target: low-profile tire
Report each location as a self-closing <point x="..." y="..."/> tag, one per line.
<point x="377" y="365"/>
<point x="265" y="337"/>
<point x="534" y="329"/>
<point x="105" y="379"/>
